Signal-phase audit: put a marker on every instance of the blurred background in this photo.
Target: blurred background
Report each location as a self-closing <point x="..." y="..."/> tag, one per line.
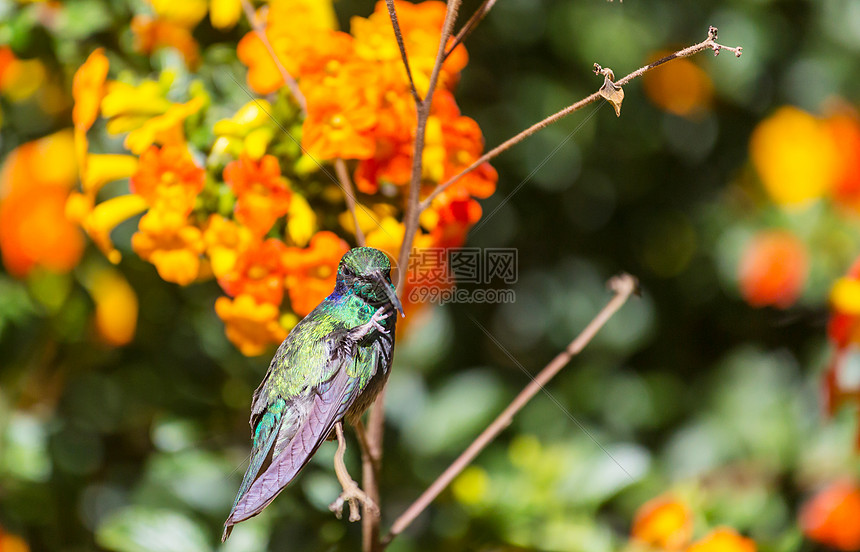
<point x="724" y="396"/>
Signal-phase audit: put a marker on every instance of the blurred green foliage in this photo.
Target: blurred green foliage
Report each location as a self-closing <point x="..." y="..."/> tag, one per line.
<point x="686" y="389"/>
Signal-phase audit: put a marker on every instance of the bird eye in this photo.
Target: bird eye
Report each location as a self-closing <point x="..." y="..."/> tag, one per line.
<point x="348" y="271"/>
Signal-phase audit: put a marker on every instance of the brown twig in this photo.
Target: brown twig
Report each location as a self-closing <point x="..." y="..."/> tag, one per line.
<point x="261" y="32"/>
<point x="623" y="286"/>
<point x="470" y="25"/>
<point x="372" y="458"/>
<point x="413" y="208"/>
<point x="349" y="194"/>
<point x="398" y="35"/>
<point x="707" y="44"/>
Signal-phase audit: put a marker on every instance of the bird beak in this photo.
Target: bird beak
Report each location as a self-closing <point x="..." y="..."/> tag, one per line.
<point x="391" y="293"/>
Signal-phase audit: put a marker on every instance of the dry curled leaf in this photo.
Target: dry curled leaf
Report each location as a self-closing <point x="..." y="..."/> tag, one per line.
<point x="612" y="94"/>
<point x="610" y="91"/>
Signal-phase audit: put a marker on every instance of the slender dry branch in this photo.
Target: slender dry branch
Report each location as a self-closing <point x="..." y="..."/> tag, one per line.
<point x="349" y="194"/>
<point x="392" y="13"/>
<point x="623" y="286"/>
<point x="261" y="32"/>
<point x="371" y="461"/>
<point x="708" y="44"/>
<point x="470" y="25"/>
<point x="413" y="209"/>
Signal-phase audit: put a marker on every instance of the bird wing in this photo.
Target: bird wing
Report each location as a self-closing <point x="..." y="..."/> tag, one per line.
<point x="324" y="404"/>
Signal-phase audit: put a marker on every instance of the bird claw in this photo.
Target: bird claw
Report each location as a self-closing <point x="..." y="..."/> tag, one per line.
<point x="375" y="323"/>
<point x="379" y="317"/>
<point x="353" y="496"/>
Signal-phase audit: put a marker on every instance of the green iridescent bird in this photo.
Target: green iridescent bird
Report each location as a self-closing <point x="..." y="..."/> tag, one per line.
<point x="330" y="367"/>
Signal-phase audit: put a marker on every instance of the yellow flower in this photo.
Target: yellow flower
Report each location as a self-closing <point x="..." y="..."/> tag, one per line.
<point x="116" y="306"/>
<point x="167" y="240"/>
<point x="225" y="240"/>
<point x="99" y="221"/>
<point x="164" y="129"/>
<point x="104" y="168"/>
<point x="301" y="221"/>
<point x="129" y="106"/>
<point x="186" y="13"/>
<point x="250" y="326"/>
<point x="88" y="89"/>
<point x="845" y="296"/>
<point x="795" y="156"/>
<point x="224" y="14"/>
<point x="249" y="131"/>
<point x="369" y="217"/>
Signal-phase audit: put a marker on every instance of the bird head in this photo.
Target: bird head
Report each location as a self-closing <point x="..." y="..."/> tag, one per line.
<point x="366" y="272"/>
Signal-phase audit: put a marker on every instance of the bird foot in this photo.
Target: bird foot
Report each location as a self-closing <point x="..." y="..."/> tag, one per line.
<point x="375" y="323"/>
<point x="378" y="317"/>
<point x="354" y="496"/>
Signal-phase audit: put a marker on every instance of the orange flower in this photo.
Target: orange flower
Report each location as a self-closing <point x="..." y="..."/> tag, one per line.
<point x="681" y="88"/>
<point x="258" y="272"/>
<point x="663" y="522"/>
<point x="773" y="269"/>
<point x="845" y="129"/>
<point x="264" y="77"/>
<point x="340" y="122"/>
<point x="303" y="37"/>
<point x="312" y="271"/>
<point x="12" y="543"/>
<point x="35" y="232"/>
<point x="250" y="326"/>
<point x="153" y="33"/>
<point x="420" y="25"/>
<point x="723" y="539"/>
<point x="263" y="195"/>
<point x="831" y="516"/>
<point x="450" y="221"/>
<point x="225" y="240"/>
<point x="167" y="240"/>
<point x="168" y="178"/>
<point x="34" y="187"/>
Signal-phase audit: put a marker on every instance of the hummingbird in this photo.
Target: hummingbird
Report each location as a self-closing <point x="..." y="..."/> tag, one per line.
<point x="331" y="366"/>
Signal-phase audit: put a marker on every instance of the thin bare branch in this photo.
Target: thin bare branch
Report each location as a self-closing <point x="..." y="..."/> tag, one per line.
<point x="423" y="108"/>
<point x="707" y="44"/>
<point x="371" y="459"/>
<point x="261" y="32"/>
<point x="392" y="13"/>
<point x="624" y="286"/>
<point x="470" y="25"/>
<point x="349" y="194"/>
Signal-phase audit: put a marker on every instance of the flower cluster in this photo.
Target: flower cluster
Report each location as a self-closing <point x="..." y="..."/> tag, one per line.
<point x="665" y="523"/>
<point x="809" y="168"/>
<point x="235" y="199"/>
